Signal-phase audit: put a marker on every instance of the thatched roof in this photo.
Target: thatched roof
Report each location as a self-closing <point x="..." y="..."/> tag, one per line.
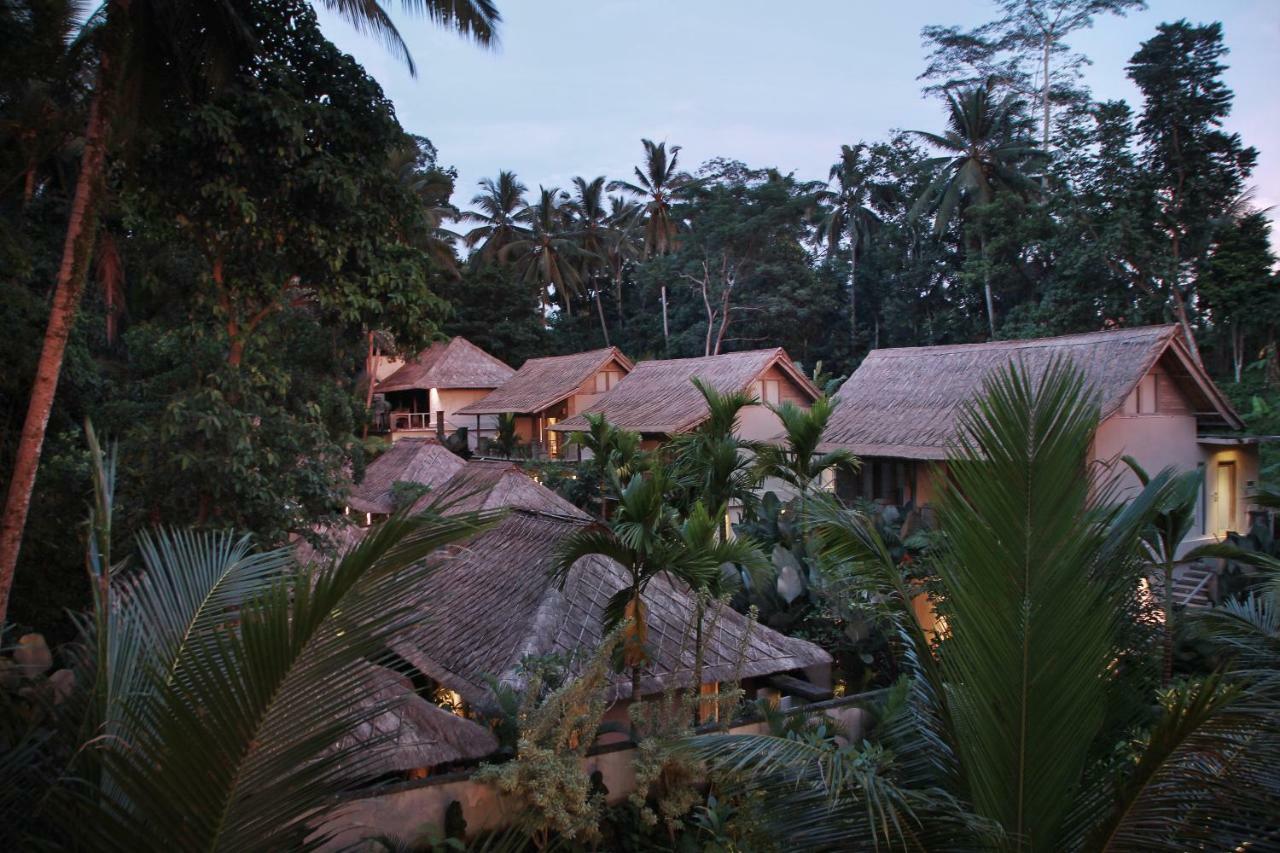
<point x="490" y="484"/>
<point x="905" y="402"/>
<point x="493" y="602"/>
<point x="415" y="733"/>
<point x="415" y="460"/>
<point x="543" y="382"/>
<point x="457" y="363"/>
<point x="659" y="396"/>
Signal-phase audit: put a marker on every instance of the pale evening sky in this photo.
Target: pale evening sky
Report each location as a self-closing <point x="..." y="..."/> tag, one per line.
<point x="575" y="84"/>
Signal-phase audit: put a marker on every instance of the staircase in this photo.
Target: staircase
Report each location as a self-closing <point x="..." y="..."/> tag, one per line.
<point x="1192" y="585"/>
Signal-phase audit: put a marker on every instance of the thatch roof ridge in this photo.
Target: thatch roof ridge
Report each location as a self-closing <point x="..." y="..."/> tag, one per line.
<point x="456" y="363"/>
<point x="904" y="402"/>
<point x="414" y="459"/>
<point x="658" y="396"/>
<point x="543" y="382"/>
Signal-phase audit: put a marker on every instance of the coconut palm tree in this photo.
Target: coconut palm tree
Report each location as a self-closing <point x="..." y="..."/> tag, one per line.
<point x="141" y="45"/>
<point x="846" y="213"/>
<point x="660" y="186"/>
<point x="988" y="151"/>
<point x="498" y="216"/>
<point x="623" y="244"/>
<point x="548" y="255"/>
<point x="432" y="187"/>
<point x="590" y="217"/>
<point x="1007" y="739"/>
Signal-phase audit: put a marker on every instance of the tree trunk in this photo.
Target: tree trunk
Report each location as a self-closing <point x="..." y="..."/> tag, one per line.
<point x="666" y="331"/>
<point x="617" y="298"/>
<point x="68" y="289"/>
<point x="1048" y="43"/>
<point x="853" y="292"/>
<point x="1184" y="322"/>
<point x="603" y="326"/>
<point x="370" y="368"/>
<point x="986" y="288"/>
<point x="698" y="663"/>
<point x="1237" y="351"/>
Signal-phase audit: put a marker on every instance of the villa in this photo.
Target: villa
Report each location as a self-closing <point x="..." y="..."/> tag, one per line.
<point x="658" y="399"/>
<point x="426" y="392"/>
<point x="546" y="391"/>
<point x="898" y="413"/>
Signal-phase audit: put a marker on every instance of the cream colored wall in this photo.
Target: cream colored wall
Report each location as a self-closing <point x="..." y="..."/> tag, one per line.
<point x="757" y="423"/>
<point x="406" y="813"/>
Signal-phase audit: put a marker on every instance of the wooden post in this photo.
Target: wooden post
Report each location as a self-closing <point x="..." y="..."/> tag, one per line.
<point x="440" y="424"/>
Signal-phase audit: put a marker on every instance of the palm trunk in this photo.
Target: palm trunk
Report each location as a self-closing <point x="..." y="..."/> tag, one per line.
<point x="1237" y="351"/>
<point x="68" y="289"/>
<point x="1048" y="43"/>
<point x="853" y="293"/>
<point x="986" y="287"/>
<point x="699" y="611"/>
<point x="603" y="326"/>
<point x="617" y="297"/>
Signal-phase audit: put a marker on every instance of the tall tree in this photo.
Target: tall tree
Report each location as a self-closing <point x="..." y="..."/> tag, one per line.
<point x="1024" y="49"/>
<point x="498" y="204"/>
<point x="1196" y="168"/>
<point x="547" y="255"/>
<point x="142" y="45"/>
<point x="660" y="186"/>
<point x="988" y="152"/>
<point x="846" y="214"/>
<point x="1238" y="286"/>
<point x="591" y="222"/>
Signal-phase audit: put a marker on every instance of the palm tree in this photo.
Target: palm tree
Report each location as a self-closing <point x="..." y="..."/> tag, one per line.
<point x="622" y="244"/>
<point x="846" y="214"/>
<point x="1007" y="739"/>
<point x="988" y="152"/>
<point x="548" y="254"/>
<point x="591" y="223"/>
<point x="799" y="460"/>
<point x="615" y="455"/>
<point x="241" y="663"/>
<point x="639" y="538"/>
<point x="500" y="202"/>
<point x="712" y="462"/>
<point x="660" y="186"/>
<point x="432" y="187"/>
<point x="140" y="45"/>
<point x="647" y="537"/>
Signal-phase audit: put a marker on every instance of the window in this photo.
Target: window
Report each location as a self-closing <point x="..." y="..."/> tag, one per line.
<point x="606" y="379"/>
<point x="768" y="391"/>
<point x="1147" y="395"/>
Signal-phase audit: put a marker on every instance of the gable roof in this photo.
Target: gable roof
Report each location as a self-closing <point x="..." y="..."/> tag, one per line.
<point x="542" y="382"/>
<point x="415" y="460"/>
<point x="659" y="396"/>
<point x="494" y="601"/>
<point x="456" y="363"/>
<point x="905" y="402"/>
<point x="491" y="484"/>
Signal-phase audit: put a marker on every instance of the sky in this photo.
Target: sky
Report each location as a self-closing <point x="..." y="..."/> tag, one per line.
<point x="576" y="84"/>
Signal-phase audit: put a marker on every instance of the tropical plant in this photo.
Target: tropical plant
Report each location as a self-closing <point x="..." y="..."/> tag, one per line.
<point x="497" y="216"/>
<point x="988" y="150"/>
<point x="1170" y="523"/>
<point x="546" y="777"/>
<point x="614" y="456"/>
<point x="547" y="254"/>
<point x="593" y="226"/>
<point x="240" y="663"/>
<point x="622" y="245"/>
<point x="799" y="460"/>
<point x="711" y="461"/>
<point x="660" y="186"/>
<point x="142" y="48"/>
<point x="1008" y="739"/>
<point x="847" y="213"/>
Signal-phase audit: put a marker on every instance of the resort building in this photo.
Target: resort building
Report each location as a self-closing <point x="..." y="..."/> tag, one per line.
<point x="415" y="459"/>
<point x="898" y="413"/>
<point x="493" y="602"/>
<point x="658" y="398"/>
<point x="424" y="395"/>
<point x="546" y="391"/>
